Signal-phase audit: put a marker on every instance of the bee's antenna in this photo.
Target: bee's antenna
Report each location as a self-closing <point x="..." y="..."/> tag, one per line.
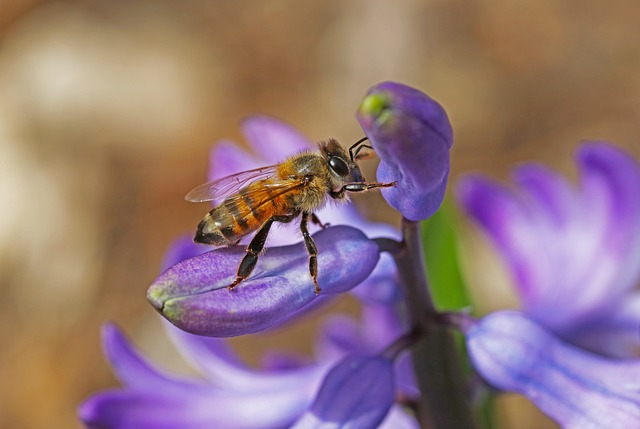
<point x="359" y="147"/>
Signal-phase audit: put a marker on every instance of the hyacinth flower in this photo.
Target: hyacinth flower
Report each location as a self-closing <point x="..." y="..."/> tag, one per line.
<point x="576" y="388"/>
<point x="573" y="250"/>
<point x="192" y="292"/>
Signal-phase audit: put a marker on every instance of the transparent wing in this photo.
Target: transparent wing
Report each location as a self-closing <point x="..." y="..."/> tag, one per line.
<point x="228" y="185"/>
<point x="241" y="205"/>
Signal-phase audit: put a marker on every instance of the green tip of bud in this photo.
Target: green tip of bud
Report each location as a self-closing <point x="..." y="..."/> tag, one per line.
<point x="376" y="106"/>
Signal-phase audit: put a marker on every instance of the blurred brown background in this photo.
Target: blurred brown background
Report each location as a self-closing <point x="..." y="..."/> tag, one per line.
<point x="108" y="110"/>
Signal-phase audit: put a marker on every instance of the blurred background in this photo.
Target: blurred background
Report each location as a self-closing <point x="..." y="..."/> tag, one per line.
<point x="108" y="110"/>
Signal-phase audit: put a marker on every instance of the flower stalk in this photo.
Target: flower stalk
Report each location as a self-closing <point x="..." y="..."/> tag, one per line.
<point x="438" y="373"/>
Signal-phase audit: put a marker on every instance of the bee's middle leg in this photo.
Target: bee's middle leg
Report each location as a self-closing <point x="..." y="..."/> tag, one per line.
<point x="315" y="219"/>
<point x="311" y="248"/>
<point x="254" y="248"/>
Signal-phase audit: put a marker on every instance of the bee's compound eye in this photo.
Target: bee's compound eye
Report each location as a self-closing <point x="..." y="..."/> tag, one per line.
<point x="339" y="166"/>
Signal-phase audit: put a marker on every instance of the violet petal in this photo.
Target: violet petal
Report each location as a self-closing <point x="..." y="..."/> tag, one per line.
<point x="574" y="251"/>
<point x="193" y="294"/>
<point x="272" y="139"/>
<point x="578" y="389"/>
<point x="215" y="359"/>
<point x="356" y="394"/>
<point x="152" y="399"/>
<point x="412" y="135"/>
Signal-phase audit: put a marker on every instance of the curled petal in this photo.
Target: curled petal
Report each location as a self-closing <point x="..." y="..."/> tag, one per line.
<point x="356" y="394"/>
<point x="193" y="294"/>
<point x="576" y="388"/>
<point x="412" y="136"/>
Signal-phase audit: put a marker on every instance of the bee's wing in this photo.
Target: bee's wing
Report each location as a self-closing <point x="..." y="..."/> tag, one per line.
<point x="241" y="205"/>
<point x="222" y="188"/>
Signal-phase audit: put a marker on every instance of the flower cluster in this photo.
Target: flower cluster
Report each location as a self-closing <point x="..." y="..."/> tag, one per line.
<point x="574" y="254"/>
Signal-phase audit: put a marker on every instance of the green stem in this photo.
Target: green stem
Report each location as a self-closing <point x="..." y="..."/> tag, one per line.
<point x="443" y="403"/>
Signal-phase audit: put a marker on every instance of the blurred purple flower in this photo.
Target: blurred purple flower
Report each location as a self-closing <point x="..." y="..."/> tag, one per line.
<point x="574" y="252"/>
<point x="576" y="388"/>
<point x="412" y="135"/>
<point x="233" y="396"/>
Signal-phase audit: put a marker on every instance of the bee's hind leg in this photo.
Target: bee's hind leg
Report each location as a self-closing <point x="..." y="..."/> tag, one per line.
<point x="311" y="248"/>
<point x="254" y="248"/>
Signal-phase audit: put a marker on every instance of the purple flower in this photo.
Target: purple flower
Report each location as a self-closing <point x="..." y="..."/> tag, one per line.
<point x="412" y="136"/>
<point x="193" y="294"/>
<point x="232" y="396"/>
<point x="576" y="388"/>
<point x="357" y="393"/>
<point x="574" y="252"/>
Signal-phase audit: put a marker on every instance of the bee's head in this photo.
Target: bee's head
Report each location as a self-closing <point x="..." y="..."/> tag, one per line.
<point x="342" y="169"/>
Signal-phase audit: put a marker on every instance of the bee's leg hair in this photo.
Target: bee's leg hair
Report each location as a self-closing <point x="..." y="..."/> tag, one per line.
<point x="254" y="248"/>
<point x="311" y="248"/>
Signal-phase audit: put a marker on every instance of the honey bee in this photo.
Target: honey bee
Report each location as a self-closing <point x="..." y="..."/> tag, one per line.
<point x="253" y="200"/>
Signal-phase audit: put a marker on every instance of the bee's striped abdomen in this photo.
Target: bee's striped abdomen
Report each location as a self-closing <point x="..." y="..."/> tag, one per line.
<point x="238" y="215"/>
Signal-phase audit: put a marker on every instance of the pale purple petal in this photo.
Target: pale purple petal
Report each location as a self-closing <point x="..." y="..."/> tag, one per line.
<point x="227" y="158"/>
<point x="412" y="135"/>
<point x="192" y="409"/>
<point x="152" y="399"/>
<point x="132" y="369"/>
<point x="215" y="359"/>
<point x="338" y="337"/>
<point x="574" y="252"/>
<point x="576" y="388"/>
<point x="397" y="418"/>
<point x="274" y="140"/>
<point x="618" y="334"/>
<point x="356" y="394"/>
<point x="182" y="248"/>
<point x="193" y="294"/>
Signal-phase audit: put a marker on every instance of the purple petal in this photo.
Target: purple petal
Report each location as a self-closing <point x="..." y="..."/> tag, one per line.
<point x="182" y="248"/>
<point x="574" y="252"/>
<point x="132" y="369"/>
<point x="618" y="334"/>
<point x="228" y="158"/>
<point x="215" y="359"/>
<point x="399" y="419"/>
<point x="272" y="139"/>
<point x="192" y="409"/>
<point x="152" y="399"/>
<point x="357" y="394"/>
<point x="339" y="336"/>
<point x="576" y="388"/>
<point x="412" y="136"/>
<point x="193" y="294"/>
